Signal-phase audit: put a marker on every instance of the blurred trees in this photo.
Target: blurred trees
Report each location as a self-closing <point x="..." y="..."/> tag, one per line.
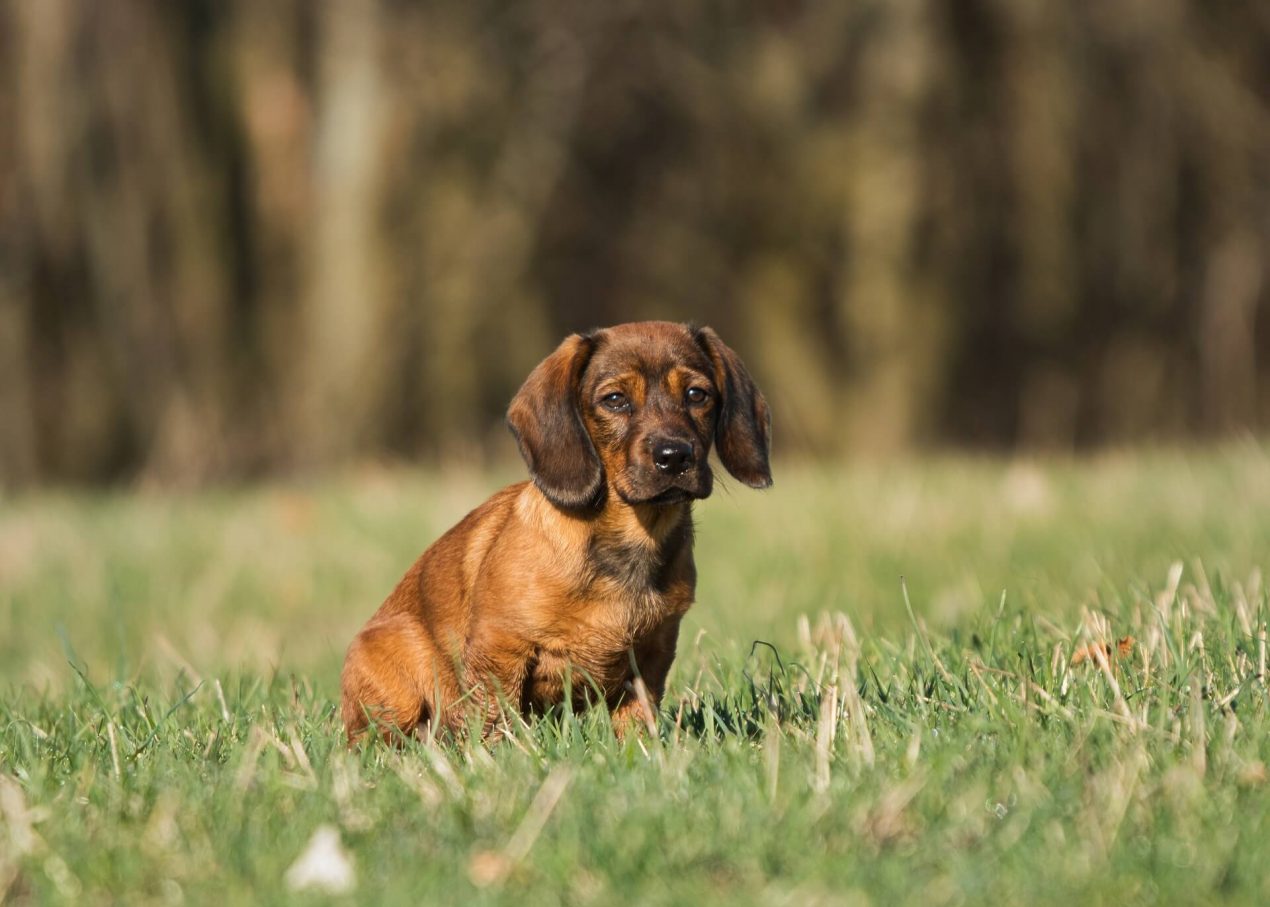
<point x="240" y="237"/>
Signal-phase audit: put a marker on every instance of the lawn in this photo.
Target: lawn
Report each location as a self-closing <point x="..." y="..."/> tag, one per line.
<point x="893" y="689"/>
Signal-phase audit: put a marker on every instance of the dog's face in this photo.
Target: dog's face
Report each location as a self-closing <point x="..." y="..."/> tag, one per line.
<point x="637" y="407"/>
<point x="649" y="403"/>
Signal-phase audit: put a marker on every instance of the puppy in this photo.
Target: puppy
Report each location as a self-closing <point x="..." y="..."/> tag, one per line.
<point x="576" y="581"/>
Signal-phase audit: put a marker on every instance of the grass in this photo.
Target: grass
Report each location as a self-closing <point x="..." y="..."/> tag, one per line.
<point x="168" y="669"/>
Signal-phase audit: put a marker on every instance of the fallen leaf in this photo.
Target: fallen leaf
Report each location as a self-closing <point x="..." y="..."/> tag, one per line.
<point x="488" y="867"/>
<point x="1252" y="775"/>
<point x="325" y="865"/>
<point x="1124" y="646"/>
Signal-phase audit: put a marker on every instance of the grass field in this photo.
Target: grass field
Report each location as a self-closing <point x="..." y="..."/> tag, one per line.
<point x="169" y="664"/>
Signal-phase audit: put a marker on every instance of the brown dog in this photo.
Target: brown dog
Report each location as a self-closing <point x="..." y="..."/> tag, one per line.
<point x="579" y="579"/>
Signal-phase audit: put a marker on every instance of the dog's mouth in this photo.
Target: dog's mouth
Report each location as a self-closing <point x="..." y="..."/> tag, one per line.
<point x="663" y="498"/>
<point x="669" y="496"/>
<point x="685" y="489"/>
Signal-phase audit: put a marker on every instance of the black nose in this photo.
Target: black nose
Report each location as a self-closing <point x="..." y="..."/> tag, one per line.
<point x="672" y="457"/>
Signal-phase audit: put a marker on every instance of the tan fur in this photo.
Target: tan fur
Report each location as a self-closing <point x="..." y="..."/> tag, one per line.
<point x="579" y="579"/>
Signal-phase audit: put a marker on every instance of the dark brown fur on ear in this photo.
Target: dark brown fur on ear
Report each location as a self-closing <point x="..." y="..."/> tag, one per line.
<point x="548" y="427"/>
<point x="743" y="432"/>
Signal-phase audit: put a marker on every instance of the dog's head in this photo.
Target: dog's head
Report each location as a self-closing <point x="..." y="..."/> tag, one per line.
<point x="635" y="408"/>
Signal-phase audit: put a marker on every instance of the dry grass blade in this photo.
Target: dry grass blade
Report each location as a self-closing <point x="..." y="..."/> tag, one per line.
<point x="488" y="869"/>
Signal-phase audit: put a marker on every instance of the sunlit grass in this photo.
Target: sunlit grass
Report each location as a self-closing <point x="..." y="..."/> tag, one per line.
<point x="168" y="674"/>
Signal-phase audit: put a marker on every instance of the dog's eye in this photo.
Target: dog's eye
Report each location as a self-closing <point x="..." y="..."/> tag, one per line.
<point x="696" y="395"/>
<point x="616" y="402"/>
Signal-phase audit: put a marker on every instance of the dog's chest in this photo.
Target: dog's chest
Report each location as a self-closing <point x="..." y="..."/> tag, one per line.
<point x="608" y="607"/>
<point x="594" y="655"/>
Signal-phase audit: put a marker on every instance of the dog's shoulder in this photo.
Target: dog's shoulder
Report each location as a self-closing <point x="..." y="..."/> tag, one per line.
<point x="464" y="547"/>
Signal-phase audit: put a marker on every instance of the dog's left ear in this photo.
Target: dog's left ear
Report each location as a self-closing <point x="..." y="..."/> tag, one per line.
<point x="744" y="426"/>
<point x="545" y="419"/>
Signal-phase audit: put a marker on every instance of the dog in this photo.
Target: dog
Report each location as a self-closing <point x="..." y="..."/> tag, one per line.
<point x="573" y="583"/>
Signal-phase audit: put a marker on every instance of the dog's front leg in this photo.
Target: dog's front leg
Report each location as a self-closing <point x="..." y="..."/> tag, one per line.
<point x="636" y="706"/>
<point x="495" y="678"/>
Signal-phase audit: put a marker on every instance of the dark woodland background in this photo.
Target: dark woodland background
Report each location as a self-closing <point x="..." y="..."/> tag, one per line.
<point x="240" y="238"/>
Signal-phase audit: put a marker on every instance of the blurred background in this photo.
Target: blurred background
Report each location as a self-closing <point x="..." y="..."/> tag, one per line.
<point x="239" y="239"/>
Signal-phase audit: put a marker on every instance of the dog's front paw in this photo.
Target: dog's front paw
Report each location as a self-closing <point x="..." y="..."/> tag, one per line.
<point x="636" y="715"/>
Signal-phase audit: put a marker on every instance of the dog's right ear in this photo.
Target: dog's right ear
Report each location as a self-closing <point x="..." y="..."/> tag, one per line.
<point x="545" y="419"/>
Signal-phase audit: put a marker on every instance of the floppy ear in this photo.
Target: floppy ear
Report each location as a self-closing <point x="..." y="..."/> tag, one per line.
<point x="548" y="427"/>
<point x="744" y="425"/>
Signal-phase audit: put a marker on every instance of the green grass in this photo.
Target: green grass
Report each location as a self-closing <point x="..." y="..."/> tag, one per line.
<point x="169" y="664"/>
